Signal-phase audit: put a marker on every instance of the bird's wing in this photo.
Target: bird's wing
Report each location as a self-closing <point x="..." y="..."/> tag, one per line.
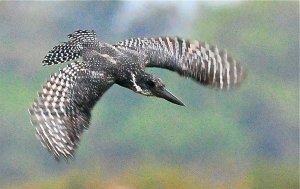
<point x="206" y="64"/>
<point x="72" y="49"/>
<point x="63" y="107"/>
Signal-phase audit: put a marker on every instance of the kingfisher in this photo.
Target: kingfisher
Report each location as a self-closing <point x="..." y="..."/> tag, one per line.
<point x="62" y="110"/>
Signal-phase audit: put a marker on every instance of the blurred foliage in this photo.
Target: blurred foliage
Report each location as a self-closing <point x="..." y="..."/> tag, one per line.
<point x="148" y="177"/>
<point x="263" y="175"/>
<point x="271" y="175"/>
<point x="246" y="138"/>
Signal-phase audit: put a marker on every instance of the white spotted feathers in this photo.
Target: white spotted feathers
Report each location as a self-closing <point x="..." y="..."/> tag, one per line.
<point x="49" y="113"/>
<point x="63" y="107"/>
<point x="204" y="63"/>
<point x="70" y="50"/>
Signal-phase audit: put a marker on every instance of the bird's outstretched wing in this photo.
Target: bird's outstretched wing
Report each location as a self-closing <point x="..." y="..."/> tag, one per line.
<point x="204" y="63"/>
<point x="72" y="49"/>
<point x="63" y="107"/>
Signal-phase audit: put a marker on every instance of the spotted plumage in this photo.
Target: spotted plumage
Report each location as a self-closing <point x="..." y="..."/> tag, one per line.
<point x="63" y="107"/>
<point x="199" y="61"/>
<point x="72" y="49"/>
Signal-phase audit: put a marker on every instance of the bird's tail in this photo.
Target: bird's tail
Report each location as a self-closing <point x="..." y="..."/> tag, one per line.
<point x="70" y="50"/>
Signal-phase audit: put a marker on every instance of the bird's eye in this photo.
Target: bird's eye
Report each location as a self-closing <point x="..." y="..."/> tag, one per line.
<point x="151" y="83"/>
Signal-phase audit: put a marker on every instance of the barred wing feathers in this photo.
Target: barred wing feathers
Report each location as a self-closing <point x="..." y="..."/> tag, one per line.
<point x="63" y="108"/>
<point x="202" y="62"/>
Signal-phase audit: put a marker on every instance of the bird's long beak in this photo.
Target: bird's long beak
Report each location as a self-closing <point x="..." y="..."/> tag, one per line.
<point x="165" y="94"/>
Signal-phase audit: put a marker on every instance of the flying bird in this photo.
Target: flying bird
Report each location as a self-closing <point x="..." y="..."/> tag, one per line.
<point x="62" y="110"/>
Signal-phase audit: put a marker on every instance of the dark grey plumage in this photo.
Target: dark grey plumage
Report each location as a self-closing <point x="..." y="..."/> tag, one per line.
<point x="199" y="61"/>
<point x="63" y="108"/>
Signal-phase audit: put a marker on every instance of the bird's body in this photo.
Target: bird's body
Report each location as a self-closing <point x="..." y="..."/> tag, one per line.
<point x="63" y="108"/>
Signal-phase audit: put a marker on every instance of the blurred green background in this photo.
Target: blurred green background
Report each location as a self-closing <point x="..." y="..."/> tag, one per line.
<point x="246" y="138"/>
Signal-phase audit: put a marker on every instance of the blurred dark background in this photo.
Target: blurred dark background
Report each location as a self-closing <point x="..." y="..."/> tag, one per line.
<point x="246" y="138"/>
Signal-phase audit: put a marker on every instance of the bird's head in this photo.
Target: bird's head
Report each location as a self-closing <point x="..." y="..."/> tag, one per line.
<point x="149" y="85"/>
